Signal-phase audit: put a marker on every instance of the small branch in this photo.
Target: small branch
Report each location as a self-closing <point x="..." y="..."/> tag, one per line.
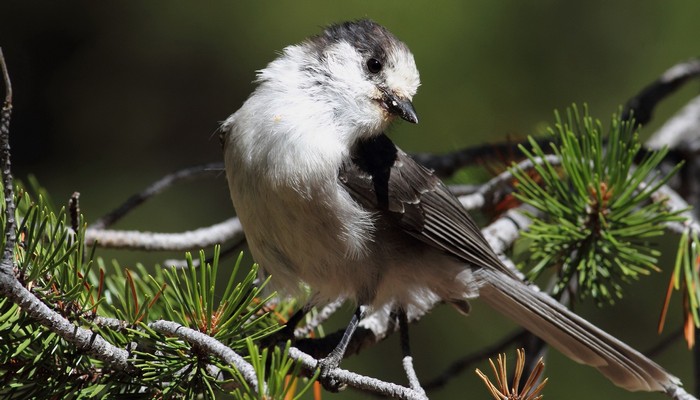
<point x="74" y="211"/>
<point x="488" y="193"/>
<point x="156" y="188"/>
<point x="212" y="346"/>
<point x="230" y="229"/>
<point x="674" y="203"/>
<point x="6" y="164"/>
<point x="642" y="105"/>
<point x="182" y="263"/>
<point x="357" y="381"/>
<point x="664" y="343"/>
<point x="407" y="361"/>
<point x="6" y="80"/>
<point x="445" y="165"/>
<point x="110" y="323"/>
<point x="494" y="190"/>
<point x="681" y="131"/>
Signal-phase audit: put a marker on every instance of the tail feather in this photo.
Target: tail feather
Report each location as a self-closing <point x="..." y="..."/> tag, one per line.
<point x="572" y="335"/>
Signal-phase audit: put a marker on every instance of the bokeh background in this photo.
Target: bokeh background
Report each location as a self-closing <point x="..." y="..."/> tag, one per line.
<point x="110" y="96"/>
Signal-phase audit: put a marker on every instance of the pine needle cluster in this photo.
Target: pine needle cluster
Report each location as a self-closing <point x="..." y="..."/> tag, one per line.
<point x="596" y="218"/>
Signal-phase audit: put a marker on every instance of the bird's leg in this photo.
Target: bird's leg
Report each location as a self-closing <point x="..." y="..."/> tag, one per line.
<point x="332" y="360"/>
<point x="293" y="321"/>
<point x="407" y="360"/>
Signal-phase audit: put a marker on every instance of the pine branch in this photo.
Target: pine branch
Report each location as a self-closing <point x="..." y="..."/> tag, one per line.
<point x="213" y="347"/>
<point x="358" y="381"/>
<point x="10" y="286"/>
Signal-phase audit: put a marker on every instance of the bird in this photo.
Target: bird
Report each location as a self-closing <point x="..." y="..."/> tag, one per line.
<point x="329" y="204"/>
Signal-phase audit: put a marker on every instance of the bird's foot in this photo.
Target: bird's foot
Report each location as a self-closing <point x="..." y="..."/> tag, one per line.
<point x="329" y="382"/>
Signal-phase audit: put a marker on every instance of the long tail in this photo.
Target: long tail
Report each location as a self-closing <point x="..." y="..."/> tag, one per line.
<point x="572" y="335"/>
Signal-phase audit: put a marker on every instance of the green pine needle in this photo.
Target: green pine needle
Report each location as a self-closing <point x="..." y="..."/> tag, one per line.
<point x="51" y="260"/>
<point x="598" y="211"/>
<point x="232" y="317"/>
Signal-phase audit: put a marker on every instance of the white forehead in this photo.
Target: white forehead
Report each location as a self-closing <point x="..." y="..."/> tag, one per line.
<point x="402" y="75"/>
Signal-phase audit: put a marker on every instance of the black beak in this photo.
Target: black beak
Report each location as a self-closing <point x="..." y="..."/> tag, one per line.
<point x="401" y="107"/>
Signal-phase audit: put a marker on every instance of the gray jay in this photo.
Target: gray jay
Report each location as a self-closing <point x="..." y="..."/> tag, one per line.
<point x="328" y="202"/>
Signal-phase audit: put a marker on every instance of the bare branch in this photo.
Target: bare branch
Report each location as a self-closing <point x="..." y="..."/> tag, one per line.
<point x="358" y="381"/>
<point x="447" y="164"/>
<point x="642" y="105"/>
<point x="664" y="343"/>
<point x="675" y="203"/>
<point x="74" y="211"/>
<point x="682" y="131"/>
<point x="156" y="188"/>
<point x="678" y="393"/>
<point x="7" y="181"/>
<point x="494" y="190"/>
<point x="229" y="230"/>
<point x="6" y="80"/>
<point x="318" y="319"/>
<point x="407" y="360"/>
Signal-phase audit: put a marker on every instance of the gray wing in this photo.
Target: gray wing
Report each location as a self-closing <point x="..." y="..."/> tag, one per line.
<point x="384" y="179"/>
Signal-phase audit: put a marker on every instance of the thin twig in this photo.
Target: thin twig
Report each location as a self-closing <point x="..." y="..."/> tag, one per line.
<point x="357" y="381"/>
<point x="225" y="252"/>
<point x="642" y="105"/>
<point x="156" y="188"/>
<point x="494" y="190"/>
<point x="318" y="319"/>
<point x="407" y="361"/>
<point x="664" y="343"/>
<point x="445" y="165"/>
<point x="6" y="79"/>
<point x="74" y="211"/>
<point x="7" y="181"/>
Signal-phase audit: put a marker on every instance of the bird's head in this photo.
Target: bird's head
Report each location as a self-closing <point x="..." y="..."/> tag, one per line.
<point x="363" y="75"/>
<point x="372" y="70"/>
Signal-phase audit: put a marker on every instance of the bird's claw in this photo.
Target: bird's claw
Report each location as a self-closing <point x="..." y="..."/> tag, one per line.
<point x="330" y="383"/>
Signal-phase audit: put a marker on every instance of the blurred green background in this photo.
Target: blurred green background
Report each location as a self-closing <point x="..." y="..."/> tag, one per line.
<point x="110" y="96"/>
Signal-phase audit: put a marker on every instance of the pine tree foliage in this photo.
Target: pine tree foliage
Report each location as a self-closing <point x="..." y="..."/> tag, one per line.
<point x="120" y="304"/>
<point x="598" y="217"/>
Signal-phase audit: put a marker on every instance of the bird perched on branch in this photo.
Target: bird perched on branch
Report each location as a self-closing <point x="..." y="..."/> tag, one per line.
<point x="328" y="202"/>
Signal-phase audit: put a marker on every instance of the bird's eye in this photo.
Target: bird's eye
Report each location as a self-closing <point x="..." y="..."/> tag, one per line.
<point x="374" y="65"/>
